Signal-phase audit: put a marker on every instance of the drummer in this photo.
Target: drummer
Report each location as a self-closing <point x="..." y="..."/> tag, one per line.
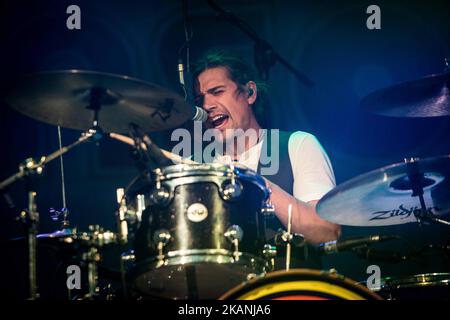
<point x="228" y="89"/>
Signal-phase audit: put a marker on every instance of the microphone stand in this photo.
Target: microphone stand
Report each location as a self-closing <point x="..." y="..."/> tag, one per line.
<point x="265" y="55"/>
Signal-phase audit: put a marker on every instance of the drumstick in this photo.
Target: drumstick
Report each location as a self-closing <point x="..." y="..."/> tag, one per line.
<point x="172" y="156"/>
<point x="288" y="246"/>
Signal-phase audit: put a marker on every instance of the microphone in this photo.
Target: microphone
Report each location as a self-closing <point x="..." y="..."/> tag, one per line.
<point x="153" y="151"/>
<point x="343" y="245"/>
<point x="181" y="72"/>
<point x="200" y="115"/>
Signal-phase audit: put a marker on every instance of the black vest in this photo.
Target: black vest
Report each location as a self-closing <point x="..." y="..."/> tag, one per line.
<point x="303" y="257"/>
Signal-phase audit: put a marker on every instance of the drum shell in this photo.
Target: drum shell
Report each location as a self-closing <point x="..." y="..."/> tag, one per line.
<point x="244" y="211"/>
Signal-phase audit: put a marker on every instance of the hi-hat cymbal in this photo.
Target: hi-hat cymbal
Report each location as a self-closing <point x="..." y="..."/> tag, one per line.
<point x="69" y="98"/>
<point x="383" y="197"/>
<point x="423" y="98"/>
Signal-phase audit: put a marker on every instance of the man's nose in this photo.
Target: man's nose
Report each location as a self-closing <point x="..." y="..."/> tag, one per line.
<point x="209" y="104"/>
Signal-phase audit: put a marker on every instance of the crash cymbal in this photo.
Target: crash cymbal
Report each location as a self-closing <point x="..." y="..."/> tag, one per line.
<point x="423" y="98"/>
<point x="69" y="98"/>
<point x="383" y="196"/>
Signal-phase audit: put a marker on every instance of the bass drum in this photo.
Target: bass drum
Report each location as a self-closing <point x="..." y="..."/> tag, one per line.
<point x="300" y="284"/>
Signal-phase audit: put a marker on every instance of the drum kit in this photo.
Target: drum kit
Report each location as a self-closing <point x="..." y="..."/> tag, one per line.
<point x="197" y="231"/>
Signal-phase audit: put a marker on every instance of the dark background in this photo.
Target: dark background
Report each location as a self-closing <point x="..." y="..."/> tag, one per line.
<point x="327" y="40"/>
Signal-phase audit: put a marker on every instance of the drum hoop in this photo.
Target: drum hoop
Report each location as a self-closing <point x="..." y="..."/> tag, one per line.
<point x="179" y="181"/>
<point x="219" y="256"/>
<point x="418" y="280"/>
<point x="343" y="287"/>
<point x="207" y="169"/>
<point x="196" y="256"/>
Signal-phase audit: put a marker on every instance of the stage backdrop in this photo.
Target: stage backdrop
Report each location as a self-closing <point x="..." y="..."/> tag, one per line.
<point x="327" y="40"/>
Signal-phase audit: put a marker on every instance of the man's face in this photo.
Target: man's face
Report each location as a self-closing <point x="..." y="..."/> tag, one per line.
<point x="227" y="107"/>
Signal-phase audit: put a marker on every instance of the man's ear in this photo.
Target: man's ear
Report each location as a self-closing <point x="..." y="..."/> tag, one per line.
<point x="252" y="92"/>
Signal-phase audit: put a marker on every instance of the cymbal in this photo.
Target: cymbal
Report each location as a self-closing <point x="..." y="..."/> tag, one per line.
<point x="422" y="98"/>
<point x="69" y="98"/>
<point x="383" y="196"/>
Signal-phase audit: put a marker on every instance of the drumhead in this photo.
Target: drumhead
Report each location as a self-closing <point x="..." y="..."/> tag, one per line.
<point x="300" y="284"/>
<point x="418" y="280"/>
<point x="427" y="286"/>
<point x="209" y="169"/>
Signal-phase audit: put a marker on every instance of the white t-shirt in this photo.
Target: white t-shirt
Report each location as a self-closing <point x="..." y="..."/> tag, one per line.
<point x="311" y="167"/>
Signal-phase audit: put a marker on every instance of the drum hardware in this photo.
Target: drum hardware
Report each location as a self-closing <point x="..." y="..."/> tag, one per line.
<point x="270" y="252"/>
<point x="282" y="237"/>
<point x="55" y="215"/>
<point x="93" y="240"/>
<point x="140" y="199"/>
<point x="161" y="238"/>
<point x="416" y="183"/>
<point x="126" y="258"/>
<point x="30" y="219"/>
<point x="122" y="215"/>
<point x="161" y="195"/>
<point x="231" y="189"/>
<point x="268" y="209"/>
<point x="234" y="234"/>
<point x="31" y="166"/>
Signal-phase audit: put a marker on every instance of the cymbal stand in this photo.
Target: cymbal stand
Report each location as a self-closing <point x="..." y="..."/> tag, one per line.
<point x="30" y="219"/>
<point x="95" y="240"/>
<point x="31" y="166"/>
<point x="415" y="179"/>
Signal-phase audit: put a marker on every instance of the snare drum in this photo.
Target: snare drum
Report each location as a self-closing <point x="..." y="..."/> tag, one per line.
<point x="202" y="231"/>
<point x="300" y="284"/>
<point x="426" y="286"/>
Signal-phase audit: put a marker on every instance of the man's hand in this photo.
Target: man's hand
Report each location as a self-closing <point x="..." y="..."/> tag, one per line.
<point x="305" y="219"/>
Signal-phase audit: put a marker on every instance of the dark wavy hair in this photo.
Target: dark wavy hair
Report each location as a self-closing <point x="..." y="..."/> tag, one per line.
<point x="239" y="71"/>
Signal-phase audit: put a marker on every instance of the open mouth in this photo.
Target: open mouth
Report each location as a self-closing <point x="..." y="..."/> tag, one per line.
<point x="218" y="121"/>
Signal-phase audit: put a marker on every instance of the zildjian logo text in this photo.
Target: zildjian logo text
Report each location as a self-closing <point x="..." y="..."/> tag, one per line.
<point x="401" y="212"/>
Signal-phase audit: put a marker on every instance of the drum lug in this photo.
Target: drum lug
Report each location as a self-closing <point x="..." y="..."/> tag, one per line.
<point x="269" y="253"/>
<point x="161" y="238"/>
<point x="268" y="209"/>
<point x="231" y="191"/>
<point x="160" y="196"/>
<point x="234" y="234"/>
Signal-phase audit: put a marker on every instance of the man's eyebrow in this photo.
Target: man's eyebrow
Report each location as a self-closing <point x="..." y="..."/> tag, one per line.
<point x="215" y="88"/>
<point x="210" y="90"/>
